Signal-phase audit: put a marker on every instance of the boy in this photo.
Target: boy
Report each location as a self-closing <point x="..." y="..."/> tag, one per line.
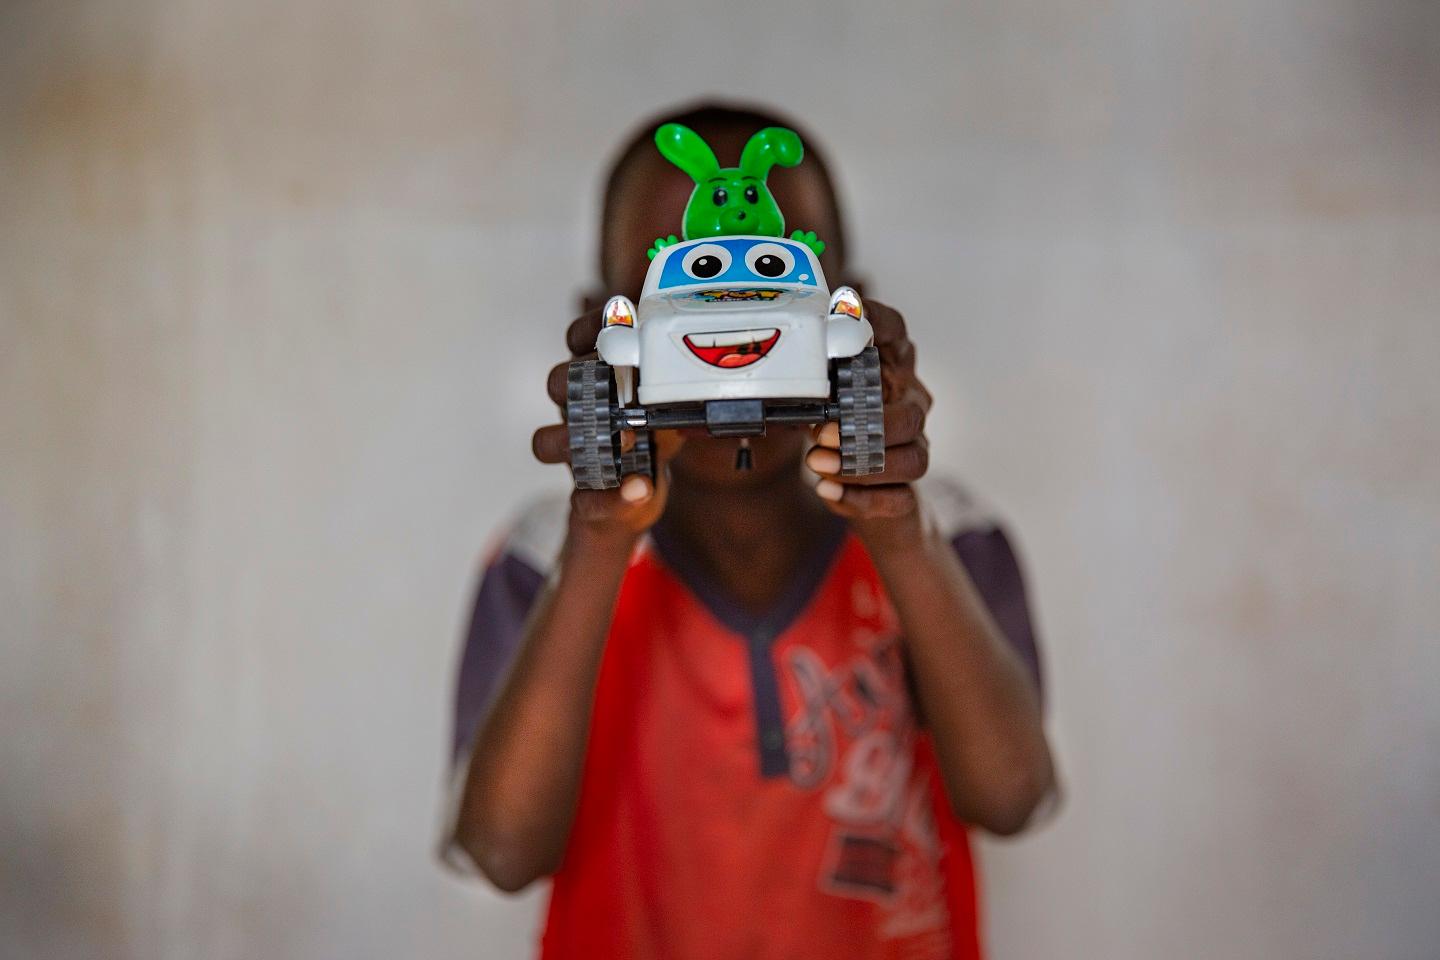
<point x="741" y="714"/>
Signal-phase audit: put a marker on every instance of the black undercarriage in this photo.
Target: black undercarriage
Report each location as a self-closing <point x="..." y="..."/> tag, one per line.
<point x="729" y="418"/>
<point x="596" y="421"/>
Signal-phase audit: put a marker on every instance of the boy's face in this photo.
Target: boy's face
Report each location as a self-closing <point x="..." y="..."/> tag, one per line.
<point x="649" y="203"/>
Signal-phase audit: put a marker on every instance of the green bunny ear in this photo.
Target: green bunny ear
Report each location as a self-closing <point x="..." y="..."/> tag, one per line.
<point x="767" y="148"/>
<point x="684" y="148"/>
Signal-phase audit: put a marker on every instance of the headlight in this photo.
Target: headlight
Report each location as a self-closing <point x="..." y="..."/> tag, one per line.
<point x="845" y="300"/>
<point x="620" y="312"/>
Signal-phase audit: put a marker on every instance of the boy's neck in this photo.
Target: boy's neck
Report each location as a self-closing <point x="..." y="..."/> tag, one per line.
<point x="748" y="540"/>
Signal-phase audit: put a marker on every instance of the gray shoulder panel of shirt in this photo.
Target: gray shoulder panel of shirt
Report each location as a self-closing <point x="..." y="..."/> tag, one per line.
<point x="952" y="509"/>
<point x="538" y="532"/>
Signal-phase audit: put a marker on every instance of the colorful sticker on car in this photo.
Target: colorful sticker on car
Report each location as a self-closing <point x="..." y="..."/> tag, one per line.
<point x="734" y="296"/>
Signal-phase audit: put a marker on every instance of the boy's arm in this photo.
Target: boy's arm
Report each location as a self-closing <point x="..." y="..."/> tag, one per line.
<point x="980" y="704"/>
<point x="979" y="701"/>
<point x="522" y="784"/>
<point x="523" y="780"/>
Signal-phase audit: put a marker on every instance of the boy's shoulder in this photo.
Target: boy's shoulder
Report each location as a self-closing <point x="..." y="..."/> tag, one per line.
<point x="536" y="532"/>
<point x="953" y="508"/>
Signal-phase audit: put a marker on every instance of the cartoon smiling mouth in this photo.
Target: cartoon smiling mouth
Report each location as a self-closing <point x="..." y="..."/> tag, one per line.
<point x="732" y="348"/>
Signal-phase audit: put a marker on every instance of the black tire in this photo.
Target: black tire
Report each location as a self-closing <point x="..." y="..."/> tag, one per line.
<point x="862" y="414"/>
<point x="639" y="458"/>
<point x="594" y="432"/>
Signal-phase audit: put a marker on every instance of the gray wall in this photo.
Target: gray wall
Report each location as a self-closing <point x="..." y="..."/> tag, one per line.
<point x="1173" y="271"/>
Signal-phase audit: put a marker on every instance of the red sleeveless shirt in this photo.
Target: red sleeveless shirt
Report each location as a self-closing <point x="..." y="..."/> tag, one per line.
<point x="758" y="789"/>
<point x="754" y="787"/>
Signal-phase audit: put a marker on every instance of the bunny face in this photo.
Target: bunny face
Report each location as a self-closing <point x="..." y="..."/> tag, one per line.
<point x="731" y="203"/>
<point x="730" y="200"/>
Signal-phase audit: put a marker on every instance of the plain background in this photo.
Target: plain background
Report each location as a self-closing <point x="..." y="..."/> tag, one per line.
<point x="279" y="284"/>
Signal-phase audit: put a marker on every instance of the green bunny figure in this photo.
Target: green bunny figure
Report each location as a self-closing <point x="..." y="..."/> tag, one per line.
<point x="732" y="200"/>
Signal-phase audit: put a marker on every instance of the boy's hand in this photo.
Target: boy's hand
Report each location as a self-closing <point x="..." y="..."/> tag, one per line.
<point x="626" y="513"/>
<point x="882" y="507"/>
<point x="620" y="515"/>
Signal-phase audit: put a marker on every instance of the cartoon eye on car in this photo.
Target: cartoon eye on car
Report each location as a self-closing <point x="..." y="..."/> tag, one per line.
<point x="731" y="334"/>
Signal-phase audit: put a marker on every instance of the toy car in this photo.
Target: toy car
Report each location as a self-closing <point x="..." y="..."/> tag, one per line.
<point x="731" y="334"/>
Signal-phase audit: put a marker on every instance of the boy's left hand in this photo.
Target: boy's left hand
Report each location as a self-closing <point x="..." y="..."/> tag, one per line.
<point x="882" y="507"/>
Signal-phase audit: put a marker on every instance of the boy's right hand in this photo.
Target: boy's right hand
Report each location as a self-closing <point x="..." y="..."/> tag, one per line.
<point x="620" y="515"/>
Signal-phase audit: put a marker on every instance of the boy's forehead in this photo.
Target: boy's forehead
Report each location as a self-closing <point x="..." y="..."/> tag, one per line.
<point x="651" y="193"/>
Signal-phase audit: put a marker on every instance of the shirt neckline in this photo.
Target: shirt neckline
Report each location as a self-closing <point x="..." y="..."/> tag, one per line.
<point x="759" y="632"/>
<point x="767" y="625"/>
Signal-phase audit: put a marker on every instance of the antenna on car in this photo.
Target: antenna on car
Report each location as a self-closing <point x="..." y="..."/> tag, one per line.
<point x="743" y="458"/>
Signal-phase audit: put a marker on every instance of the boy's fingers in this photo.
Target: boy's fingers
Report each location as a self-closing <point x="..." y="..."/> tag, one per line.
<point x="903" y="464"/>
<point x="886" y="321"/>
<point x="904" y="422"/>
<point x="827" y="435"/>
<point x="557" y="381"/>
<point x="551" y="444"/>
<point x="868" y="503"/>
<point x="580" y="338"/>
<point x="897" y="350"/>
<point x="636" y="489"/>
<point x="897" y="357"/>
<point x="665" y="444"/>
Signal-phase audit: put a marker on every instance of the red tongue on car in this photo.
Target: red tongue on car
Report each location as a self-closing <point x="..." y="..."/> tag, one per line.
<point x="735" y="354"/>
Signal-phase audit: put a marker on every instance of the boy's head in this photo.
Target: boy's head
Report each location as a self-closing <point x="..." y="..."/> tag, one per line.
<point x="645" y="198"/>
<point x="646" y="194"/>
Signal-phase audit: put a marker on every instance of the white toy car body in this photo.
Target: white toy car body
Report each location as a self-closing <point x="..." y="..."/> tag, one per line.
<point x="725" y="318"/>
<point x="731" y="334"/>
